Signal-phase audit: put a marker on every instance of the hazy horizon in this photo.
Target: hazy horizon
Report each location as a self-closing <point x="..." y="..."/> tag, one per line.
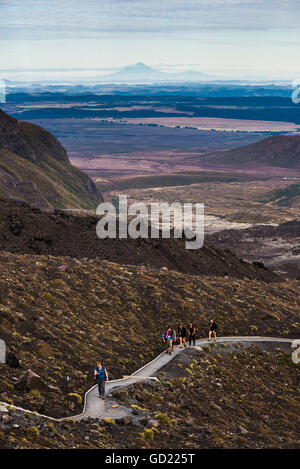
<point x="227" y="38"/>
<point x="94" y="75"/>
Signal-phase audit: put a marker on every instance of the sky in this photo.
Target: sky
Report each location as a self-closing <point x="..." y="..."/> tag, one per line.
<point x="228" y="38"/>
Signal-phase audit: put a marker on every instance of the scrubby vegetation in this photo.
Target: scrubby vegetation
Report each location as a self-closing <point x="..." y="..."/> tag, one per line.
<point x="222" y="399"/>
<point x="31" y="432"/>
<point x="59" y="315"/>
<point x="35" y="168"/>
<point x="166" y="180"/>
<point x="233" y="397"/>
<point x="25" y="230"/>
<point x="284" y="197"/>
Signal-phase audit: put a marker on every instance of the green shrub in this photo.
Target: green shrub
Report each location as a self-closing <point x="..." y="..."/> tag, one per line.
<point x="163" y="419"/>
<point x="148" y="434"/>
<point x="35" y="393"/>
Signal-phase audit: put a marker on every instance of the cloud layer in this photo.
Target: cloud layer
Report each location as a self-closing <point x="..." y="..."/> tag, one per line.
<point x="33" y="19"/>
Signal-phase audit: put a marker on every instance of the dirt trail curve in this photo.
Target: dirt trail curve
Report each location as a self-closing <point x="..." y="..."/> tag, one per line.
<point x="95" y="407"/>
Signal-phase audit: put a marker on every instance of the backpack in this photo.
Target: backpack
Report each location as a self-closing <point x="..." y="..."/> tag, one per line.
<point x="101" y="374"/>
<point x="168" y="336"/>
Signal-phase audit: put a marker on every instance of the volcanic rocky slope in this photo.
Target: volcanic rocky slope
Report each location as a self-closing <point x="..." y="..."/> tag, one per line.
<point x="26" y="230"/>
<point x="221" y="397"/>
<point x="278" y="247"/>
<point x="58" y="312"/>
<point x="278" y="150"/>
<point x="34" y="167"/>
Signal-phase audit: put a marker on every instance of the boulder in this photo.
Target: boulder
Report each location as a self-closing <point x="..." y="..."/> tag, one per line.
<point x="242" y="429"/>
<point x="260" y="265"/>
<point x="54" y="389"/>
<point x="30" y="380"/>
<point x="126" y="420"/>
<point x="3" y="410"/>
<point x="6" y="418"/>
<point x="190" y="421"/>
<point x="139" y="396"/>
<point x="11" y="360"/>
<point x="153" y="423"/>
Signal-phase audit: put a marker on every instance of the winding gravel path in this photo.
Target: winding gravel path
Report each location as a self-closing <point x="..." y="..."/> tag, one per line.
<point x="95" y="407"/>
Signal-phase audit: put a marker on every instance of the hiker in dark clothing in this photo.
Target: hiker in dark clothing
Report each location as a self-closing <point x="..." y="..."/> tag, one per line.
<point x="168" y="339"/>
<point x="182" y="335"/>
<point x="192" y="334"/>
<point x="212" y="329"/>
<point x="101" y="376"/>
<point x="173" y="339"/>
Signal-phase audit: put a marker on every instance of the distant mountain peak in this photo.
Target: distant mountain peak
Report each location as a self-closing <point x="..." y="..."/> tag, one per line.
<point x="140" y="69"/>
<point x="145" y="73"/>
<point x="138" y="65"/>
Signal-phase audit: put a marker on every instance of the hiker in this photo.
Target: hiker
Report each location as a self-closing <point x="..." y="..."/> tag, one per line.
<point x="168" y="339"/>
<point x="101" y="376"/>
<point x="174" y="338"/>
<point x="182" y="335"/>
<point x="192" y="334"/>
<point x="212" y="329"/>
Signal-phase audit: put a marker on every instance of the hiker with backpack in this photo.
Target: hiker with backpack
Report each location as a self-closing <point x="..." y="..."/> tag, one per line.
<point x="168" y="339"/>
<point x="181" y="335"/>
<point x="192" y="334"/>
<point x="101" y="376"/>
<point x="212" y="330"/>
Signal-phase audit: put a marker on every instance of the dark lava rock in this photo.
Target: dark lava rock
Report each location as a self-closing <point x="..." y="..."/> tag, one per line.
<point x="261" y="265"/>
<point x="11" y="360"/>
<point x="127" y="420"/>
<point x="30" y="231"/>
<point x="30" y="380"/>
